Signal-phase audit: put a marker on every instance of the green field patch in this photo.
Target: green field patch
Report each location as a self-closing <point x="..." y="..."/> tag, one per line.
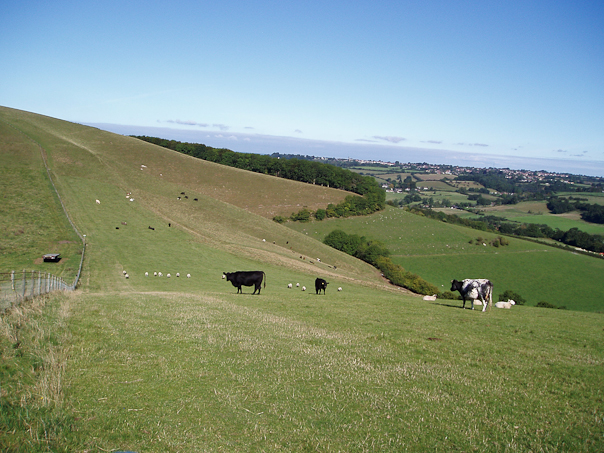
<point x="161" y="372"/>
<point x="440" y="252"/>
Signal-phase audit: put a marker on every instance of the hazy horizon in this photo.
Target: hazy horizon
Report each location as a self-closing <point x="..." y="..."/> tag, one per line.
<point x="267" y="144"/>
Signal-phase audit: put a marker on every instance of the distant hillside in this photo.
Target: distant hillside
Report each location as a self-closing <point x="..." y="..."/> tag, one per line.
<point x="373" y="196"/>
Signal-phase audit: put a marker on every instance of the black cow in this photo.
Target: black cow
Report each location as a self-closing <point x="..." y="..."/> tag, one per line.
<point x="246" y="278"/>
<point x="320" y="284"/>
<point x="474" y="289"/>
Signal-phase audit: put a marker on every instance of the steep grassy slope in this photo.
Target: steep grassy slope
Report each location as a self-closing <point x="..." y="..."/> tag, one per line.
<point x="88" y="165"/>
<point x="32" y="222"/>
<point x="440" y="252"/>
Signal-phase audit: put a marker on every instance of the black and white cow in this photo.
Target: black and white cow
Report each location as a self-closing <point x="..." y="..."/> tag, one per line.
<point x="246" y="278"/>
<point x="471" y="289"/>
<point x="320" y="284"/>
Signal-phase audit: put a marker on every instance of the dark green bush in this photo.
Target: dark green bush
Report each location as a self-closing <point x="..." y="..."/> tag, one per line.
<point x="544" y="304"/>
<point x="303" y="215"/>
<point x="509" y="294"/>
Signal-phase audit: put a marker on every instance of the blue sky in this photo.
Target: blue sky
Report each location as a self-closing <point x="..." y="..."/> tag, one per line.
<point x="514" y="83"/>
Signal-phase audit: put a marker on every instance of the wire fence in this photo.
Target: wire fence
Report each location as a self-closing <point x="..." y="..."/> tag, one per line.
<point x="16" y="287"/>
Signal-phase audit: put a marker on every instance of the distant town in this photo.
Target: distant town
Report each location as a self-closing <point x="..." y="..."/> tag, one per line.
<point x="519" y="176"/>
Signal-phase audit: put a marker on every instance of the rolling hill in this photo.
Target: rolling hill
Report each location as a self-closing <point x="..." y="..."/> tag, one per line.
<point x="185" y="364"/>
<point x="214" y="207"/>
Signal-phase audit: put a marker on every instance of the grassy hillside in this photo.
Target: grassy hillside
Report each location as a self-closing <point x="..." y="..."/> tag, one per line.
<point x="88" y="165"/>
<point x="32" y="222"/>
<point x="185" y="364"/>
<point x="440" y="252"/>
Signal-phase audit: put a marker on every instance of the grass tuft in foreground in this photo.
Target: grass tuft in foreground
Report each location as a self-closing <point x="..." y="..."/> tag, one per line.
<point x="33" y="339"/>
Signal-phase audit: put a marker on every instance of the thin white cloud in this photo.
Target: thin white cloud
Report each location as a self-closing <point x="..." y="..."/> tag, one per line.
<point x="472" y="144"/>
<point x="390" y="138"/>
<point x="298" y="131"/>
<point x="222" y="127"/>
<point x="433" y="142"/>
<point x="187" y="123"/>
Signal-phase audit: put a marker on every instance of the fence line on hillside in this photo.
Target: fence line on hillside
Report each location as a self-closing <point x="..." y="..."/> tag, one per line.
<point x="17" y="287"/>
<point x="82" y="237"/>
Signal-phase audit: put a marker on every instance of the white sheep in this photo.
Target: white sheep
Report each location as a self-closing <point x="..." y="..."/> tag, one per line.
<point x="146" y="274"/>
<point x="127" y="276"/>
<point x="124" y="272"/>
<point x="178" y="274"/>
<point x="155" y="274"/>
<point x="433" y="297"/>
<point x="188" y="275"/>
<point x="290" y="286"/>
<point x="502" y="304"/>
<point x="297" y="285"/>
<point x="304" y="288"/>
<point x="160" y="274"/>
<point x="168" y="276"/>
<point x="98" y="202"/>
<point x="339" y="288"/>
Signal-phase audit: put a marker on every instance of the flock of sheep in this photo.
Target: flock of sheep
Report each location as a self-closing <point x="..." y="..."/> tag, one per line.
<point x="290" y="286"/>
<point x="156" y="274"/>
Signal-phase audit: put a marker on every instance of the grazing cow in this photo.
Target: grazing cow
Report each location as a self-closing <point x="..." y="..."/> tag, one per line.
<point x="320" y="284"/>
<point x="474" y="289"/>
<point x="246" y="278"/>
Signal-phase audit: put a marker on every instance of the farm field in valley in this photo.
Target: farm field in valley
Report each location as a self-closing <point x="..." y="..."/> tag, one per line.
<point x="440" y="252"/>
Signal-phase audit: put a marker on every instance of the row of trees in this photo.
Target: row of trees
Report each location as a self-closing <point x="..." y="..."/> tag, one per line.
<point x="593" y="213"/>
<point x="573" y="237"/>
<point x="352" y="205"/>
<point x="375" y="253"/>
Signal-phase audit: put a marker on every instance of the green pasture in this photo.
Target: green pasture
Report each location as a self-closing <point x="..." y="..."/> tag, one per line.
<point x="437" y="195"/>
<point x="156" y="364"/>
<point x="537" y="212"/>
<point x="592" y="197"/>
<point x="357" y="370"/>
<point x="440" y="252"/>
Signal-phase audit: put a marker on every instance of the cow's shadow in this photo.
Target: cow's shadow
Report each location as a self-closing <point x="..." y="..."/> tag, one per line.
<point x="459" y="306"/>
